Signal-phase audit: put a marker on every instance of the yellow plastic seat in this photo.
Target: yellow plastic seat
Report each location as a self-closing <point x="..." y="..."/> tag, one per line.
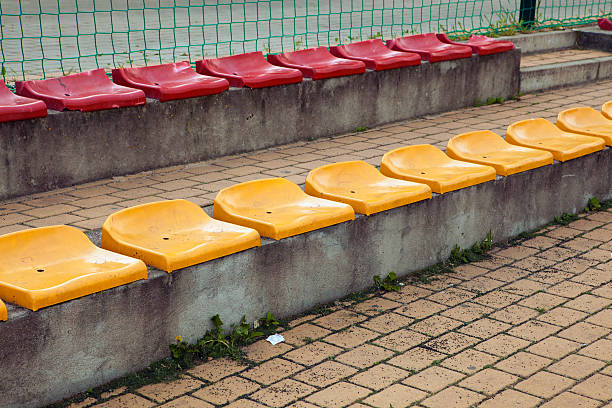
<point x="45" y="266"/>
<point x="3" y="312"/>
<point x="606" y="109"/>
<point x="361" y="186"/>
<point x="542" y="134"/>
<point x="586" y="121"/>
<point x="277" y="208"/>
<point x="429" y="165"/>
<point x="174" y="234"/>
<point x="490" y="149"/>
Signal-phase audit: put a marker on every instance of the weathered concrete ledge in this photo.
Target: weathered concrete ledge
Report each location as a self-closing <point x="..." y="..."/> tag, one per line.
<point x="72" y="147"/>
<point x="61" y="350"/>
<point x="594" y="38"/>
<point x="549" y="76"/>
<point x="546" y="41"/>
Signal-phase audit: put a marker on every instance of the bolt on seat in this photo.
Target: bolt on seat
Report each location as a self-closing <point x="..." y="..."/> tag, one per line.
<point x="480" y="44"/>
<point x="360" y="185"/>
<point x="541" y="134"/>
<point x="277" y="208"/>
<point x="487" y="148"/>
<point x="375" y="55"/>
<point x="15" y="107"/>
<point x="168" y="82"/>
<point x="606" y="110"/>
<point x="250" y="69"/>
<point x="586" y="121"/>
<point x="85" y="91"/>
<point x="317" y="63"/>
<point x="429" y="165"/>
<point x="174" y="234"/>
<point x="45" y="266"/>
<point x="429" y="47"/>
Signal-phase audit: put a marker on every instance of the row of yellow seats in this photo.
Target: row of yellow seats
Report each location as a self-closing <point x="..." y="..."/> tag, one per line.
<point x="45" y="266"/>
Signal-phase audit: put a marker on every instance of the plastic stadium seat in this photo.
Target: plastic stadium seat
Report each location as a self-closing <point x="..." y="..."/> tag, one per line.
<point x="45" y="266"/>
<point x="429" y="47"/>
<point x="85" y="91"/>
<point x="360" y="185"/>
<point x="250" y="69"/>
<point x="481" y="44"/>
<point x="317" y="63"/>
<point x="586" y="121"/>
<point x="170" y="81"/>
<point x="171" y="235"/>
<point x="427" y="164"/>
<point x="3" y="312"/>
<point x="604" y="24"/>
<point x="14" y="107"/>
<point x="606" y="110"/>
<point x="490" y="149"/>
<point x="375" y="55"/>
<point x="541" y="134"/>
<point x="277" y="208"/>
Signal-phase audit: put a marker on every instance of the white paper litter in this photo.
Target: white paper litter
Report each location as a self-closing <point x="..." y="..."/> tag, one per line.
<point x="275" y="339"/>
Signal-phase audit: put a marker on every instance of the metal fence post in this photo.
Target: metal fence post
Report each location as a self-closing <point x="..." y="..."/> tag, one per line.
<point x="528" y="12"/>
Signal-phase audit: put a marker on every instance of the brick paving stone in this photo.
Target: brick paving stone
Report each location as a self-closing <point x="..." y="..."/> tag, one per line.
<point x="603" y="318"/>
<point x="397" y="396"/>
<point x="453" y="397"/>
<point x="600" y="234"/>
<point x="408" y="294"/>
<point x="452" y="296"/>
<point x="282" y="393"/>
<point x="379" y="376"/>
<point x="597" y="387"/>
<point x="524" y="287"/>
<point x="451" y="343"/>
<point x="325" y="374"/>
<point x="351" y="337"/>
<point x="262" y="350"/>
<point x="604" y="291"/>
<point x="375" y="306"/>
<point x="484" y="328"/>
<point x="481" y="284"/>
<point x="401" y="340"/>
<point x="523" y="364"/>
<point x="339" y="320"/>
<point x="544" y="384"/>
<point x="507" y="274"/>
<point x="127" y="400"/>
<point x="533" y="330"/>
<point x="576" y="366"/>
<point x="433" y="379"/>
<point x="364" y="356"/>
<point x="593" y="277"/>
<point x="502" y="345"/>
<point x="497" y="299"/>
<point x="469" y="361"/>
<point x="226" y="390"/>
<point x="514" y="314"/>
<point x="387" y="322"/>
<point x="554" y="347"/>
<point x="541" y="242"/>
<point x="550" y="276"/>
<point x="82" y="404"/>
<point x="542" y="300"/>
<point x="435" y="325"/>
<point x="488" y="381"/>
<point x="511" y="398"/>
<point x="272" y="371"/>
<point x="562" y="316"/>
<point x="601" y="350"/>
<point x="302" y="404"/>
<point x="244" y="403"/>
<point x="533" y="263"/>
<point x="416" y="358"/>
<point x="588" y="303"/>
<point x="312" y="353"/>
<point x="467" y="312"/>
<point x="575" y="265"/>
<point x="583" y="332"/>
<point x="569" y="399"/>
<point x="299" y="335"/>
<point x="338" y="395"/>
<point x="162" y="392"/>
<point x="190" y="402"/>
<point x="569" y="289"/>
<point x="468" y="271"/>
<point x="420" y="309"/>
<point x="517" y="252"/>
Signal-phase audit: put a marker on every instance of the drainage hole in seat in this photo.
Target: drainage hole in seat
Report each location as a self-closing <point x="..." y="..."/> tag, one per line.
<point x="67" y="94"/>
<point x="155" y="83"/>
<point x="40" y="270"/>
<point x="165" y="238"/>
<point x="268" y="212"/>
<point x="352" y="192"/>
<point x="422" y="172"/>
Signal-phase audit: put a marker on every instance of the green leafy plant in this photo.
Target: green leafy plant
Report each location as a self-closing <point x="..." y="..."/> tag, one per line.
<point x="388" y="284"/>
<point x="183" y="352"/>
<point x="268" y="321"/>
<point x="565" y="218"/>
<point x="592" y="205"/>
<point x="361" y="129"/>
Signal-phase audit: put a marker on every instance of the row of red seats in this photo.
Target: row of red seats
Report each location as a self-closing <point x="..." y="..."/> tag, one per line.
<point x="92" y="90"/>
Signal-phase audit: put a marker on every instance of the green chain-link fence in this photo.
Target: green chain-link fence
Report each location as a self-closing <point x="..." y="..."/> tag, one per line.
<point x="45" y="38"/>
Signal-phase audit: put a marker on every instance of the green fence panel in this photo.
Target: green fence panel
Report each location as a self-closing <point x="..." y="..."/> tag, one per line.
<point x="46" y="38"/>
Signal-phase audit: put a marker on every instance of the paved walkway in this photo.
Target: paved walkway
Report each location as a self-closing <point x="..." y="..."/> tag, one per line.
<point x="86" y="206"/>
<point x="531" y="326"/>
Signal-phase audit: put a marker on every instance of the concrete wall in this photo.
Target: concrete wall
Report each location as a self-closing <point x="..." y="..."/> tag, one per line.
<point x="543" y="77"/>
<point x="547" y="41"/>
<point x="73" y="147"/>
<point x="595" y="38"/>
<point x="63" y="349"/>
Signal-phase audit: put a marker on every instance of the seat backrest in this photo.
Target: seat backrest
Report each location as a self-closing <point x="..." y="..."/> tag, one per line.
<point x="80" y="83"/>
<point x="478" y="142"/>
<point x="533" y="129"/>
<point x="250" y="61"/>
<point x="427" y="40"/>
<point x="583" y="117"/>
<point x="309" y="56"/>
<point x="153" y="73"/>
<point x="366" y="48"/>
<point x="260" y="193"/>
<point x="416" y="157"/>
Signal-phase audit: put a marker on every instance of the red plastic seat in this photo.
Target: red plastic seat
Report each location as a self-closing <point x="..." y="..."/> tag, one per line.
<point x="250" y="69"/>
<point x="429" y="47"/>
<point x="604" y="24"/>
<point x="375" y="55"/>
<point x="13" y="107"/>
<point x="317" y="63"/>
<point x="85" y="91"/>
<point x="170" y="81"/>
<point x="481" y="44"/>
